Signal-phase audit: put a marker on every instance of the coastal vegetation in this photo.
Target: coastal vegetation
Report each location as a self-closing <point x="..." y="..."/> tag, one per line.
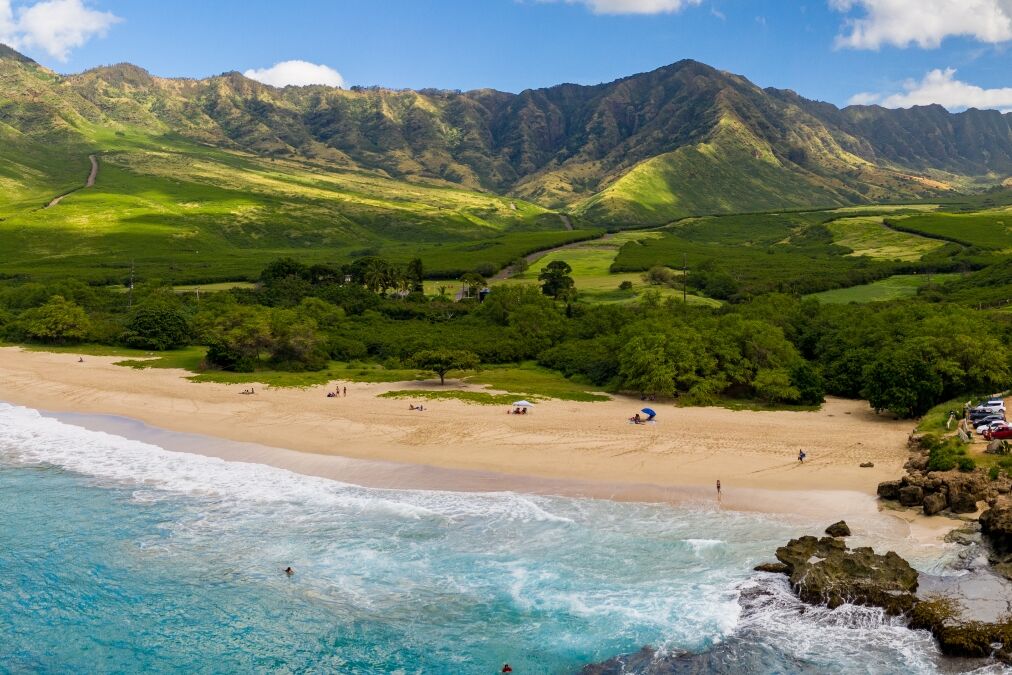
<point x="776" y="349"/>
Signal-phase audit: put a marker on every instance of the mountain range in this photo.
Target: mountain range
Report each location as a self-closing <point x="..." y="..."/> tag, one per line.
<point x="646" y="149"/>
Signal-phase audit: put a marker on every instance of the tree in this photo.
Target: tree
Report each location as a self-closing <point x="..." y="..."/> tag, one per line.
<point x="58" y="321"/>
<point x="282" y="268"/>
<point x="296" y="344"/>
<point x="442" y="361"/>
<point x="645" y="367"/>
<point x="519" y="266"/>
<point x="658" y="275"/>
<point x="473" y="282"/>
<point x="416" y="275"/>
<point x="555" y="279"/>
<point x="157" y="325"/>
<point x="807" y="380"/>
<point x="238" y="338"/>
<point x="902" y="382"/>
<point x="773" y="385"/>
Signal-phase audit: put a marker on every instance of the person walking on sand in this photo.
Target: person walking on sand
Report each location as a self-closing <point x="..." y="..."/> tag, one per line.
<point x="801" y="456"/>
<point x="346" y="391"/>
<point x="718" y="489"/>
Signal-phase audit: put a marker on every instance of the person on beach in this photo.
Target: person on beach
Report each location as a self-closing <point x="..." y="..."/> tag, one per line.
<point x="346" y="391"/>
<point x="801" y="456"/>
<point x="636" y="419"/>
<point x="80" y="359"/>
<point x="718" y="489"/>
<point x="289" y="571"/>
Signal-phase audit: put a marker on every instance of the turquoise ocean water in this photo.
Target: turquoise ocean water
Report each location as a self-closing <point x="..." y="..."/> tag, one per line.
<point x="120" y="556"/>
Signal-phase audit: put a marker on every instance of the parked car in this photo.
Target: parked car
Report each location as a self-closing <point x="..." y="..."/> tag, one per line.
<point x="991" y="405"/>
<point x="992" y="426"/>
<point x="984" y="421"/>
<point x="1003" y="434"/>
<point x="974" y="417"/>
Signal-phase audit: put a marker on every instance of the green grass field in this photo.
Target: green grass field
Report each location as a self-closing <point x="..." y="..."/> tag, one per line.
<point x="990" y="230"/>
<point x="868" y="236"/>
<point x="891" y="288"/>
<point x="591" y="262"/>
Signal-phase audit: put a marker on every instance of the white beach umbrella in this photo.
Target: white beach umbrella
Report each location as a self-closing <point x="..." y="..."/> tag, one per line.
<point x="523" y="404"/>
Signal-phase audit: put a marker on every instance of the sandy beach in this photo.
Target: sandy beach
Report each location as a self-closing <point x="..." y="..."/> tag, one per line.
<point x="558" y="440"/>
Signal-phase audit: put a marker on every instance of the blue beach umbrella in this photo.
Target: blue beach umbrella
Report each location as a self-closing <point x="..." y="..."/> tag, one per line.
<point x="649" y="411"/>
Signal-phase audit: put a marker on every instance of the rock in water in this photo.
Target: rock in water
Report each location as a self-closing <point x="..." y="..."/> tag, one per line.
<point x="775" y="568"/>
<point x="839" y="529"/>
<point x="826" y="571"/>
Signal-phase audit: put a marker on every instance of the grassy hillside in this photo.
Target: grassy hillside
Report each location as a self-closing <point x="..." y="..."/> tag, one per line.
<point x="891" y="288"/>
<point x="990" y="230"/>
<point x="184" y="212"/>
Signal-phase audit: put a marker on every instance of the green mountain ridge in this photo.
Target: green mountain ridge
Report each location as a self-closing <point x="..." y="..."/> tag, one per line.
<point x="681" y="140"/>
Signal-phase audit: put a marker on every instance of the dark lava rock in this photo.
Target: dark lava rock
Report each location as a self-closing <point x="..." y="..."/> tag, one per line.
<point x="826" y="571"/>
<point x="996" y="524"/>
<point x="962" y="502"/>
<point x="889" y="489"/>
<point x="775" y="568"/>
<point x="961" y="638"/>
<point x="912" y="495"/>
<point x="838" y="529"/>
<point x="934" y="503"/>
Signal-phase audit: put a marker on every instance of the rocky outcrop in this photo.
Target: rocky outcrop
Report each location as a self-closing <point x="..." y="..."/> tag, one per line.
<point x="890" y="489"/>
<point x="963" y="502"/>
<point x="996" y="524"/>
<point x="934" y="503"/>
<point x="911" y="495"/>
<point x="975" y="639"/>
<point x="825" y="571"/>
<point x="936" y="491"/>
<point x="838" y="529"/>
<point x="773" y="567"/>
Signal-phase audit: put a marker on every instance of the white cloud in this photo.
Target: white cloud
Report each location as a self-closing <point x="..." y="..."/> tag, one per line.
<point x="633" y="6"/>
<point x="298" y="73"/>
<point x="56" y="26"/>
<point x="941" y="87"/>
<point x="924" y="23"/>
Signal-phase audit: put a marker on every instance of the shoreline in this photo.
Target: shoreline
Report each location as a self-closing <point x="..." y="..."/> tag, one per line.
<point x="904" y="530"/>
<point x="578" y="448"/>
<point x="381" y="474"/>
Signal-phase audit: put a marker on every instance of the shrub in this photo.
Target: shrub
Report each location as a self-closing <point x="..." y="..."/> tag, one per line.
<point x="966" y="464"/>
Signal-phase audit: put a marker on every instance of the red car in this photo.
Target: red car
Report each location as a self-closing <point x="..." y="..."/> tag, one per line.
<point x="999" y="434"/>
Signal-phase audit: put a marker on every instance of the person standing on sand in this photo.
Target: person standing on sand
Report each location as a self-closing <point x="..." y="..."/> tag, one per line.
<point x="801" y="456"/>
<point x="718" y="489"/>
<point x="346" y="391"/>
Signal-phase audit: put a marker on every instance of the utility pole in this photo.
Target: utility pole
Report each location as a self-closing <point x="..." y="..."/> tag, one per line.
<point x="685" y="272"/>
<point x="130" y="292"/>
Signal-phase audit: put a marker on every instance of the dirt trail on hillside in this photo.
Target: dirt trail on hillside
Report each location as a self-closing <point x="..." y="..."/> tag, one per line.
<point x="87" y="184"/>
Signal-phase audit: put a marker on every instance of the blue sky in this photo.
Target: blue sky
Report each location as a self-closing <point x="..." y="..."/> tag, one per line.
<point x="895" y="52"/>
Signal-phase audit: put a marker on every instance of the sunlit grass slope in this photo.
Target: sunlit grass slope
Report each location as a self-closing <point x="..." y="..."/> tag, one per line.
<point x="186" y="212"/>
